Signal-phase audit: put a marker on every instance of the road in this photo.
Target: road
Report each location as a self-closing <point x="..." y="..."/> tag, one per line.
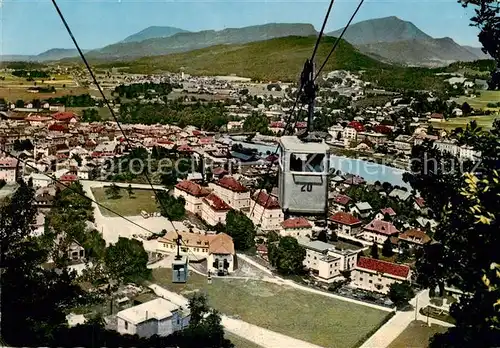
<point x="258" y="335"/>
<point x="396" y="325"/>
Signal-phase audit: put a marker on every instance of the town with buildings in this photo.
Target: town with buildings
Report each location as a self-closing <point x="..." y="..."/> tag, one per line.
<point x="195" y="189"/>
<point x="366" y="245"/>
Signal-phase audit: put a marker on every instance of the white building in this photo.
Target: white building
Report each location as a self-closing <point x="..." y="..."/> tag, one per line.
<point x="39" y="180"/>
<point x="265" y="211"/>
<point x="193" y="194"/>
<point x="156" y="317"/>
<point x="349" y="133"/>
<point x="296" y="227"/>
<point x="8" y="170"/>
<point x="232" y="192"/>
<point x="214" y="210"/>
<point x="377" y="275"/>
<point x="378" y="231"/>
<point x="213" y="247"/>
<point x="326" y="261"/>
<point x="346" y="224"/>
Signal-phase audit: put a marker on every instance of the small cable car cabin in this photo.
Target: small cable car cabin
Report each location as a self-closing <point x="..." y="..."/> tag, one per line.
<point x="179" y="265"/>
<point x="303" y="176"/>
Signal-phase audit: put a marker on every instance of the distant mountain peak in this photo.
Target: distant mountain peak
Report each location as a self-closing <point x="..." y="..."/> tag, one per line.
<point x="385" y="29"/>
<point x="153" y="32"/>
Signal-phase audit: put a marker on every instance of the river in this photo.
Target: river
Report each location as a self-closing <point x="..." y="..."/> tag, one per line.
<point x="370" y="171"/>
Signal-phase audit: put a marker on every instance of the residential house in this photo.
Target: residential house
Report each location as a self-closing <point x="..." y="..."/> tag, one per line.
<point x="341" y="202"/>
<point x="378" y="231"/>
<point x="363" y="209"/>
<point x="232" y="192"/>
<point x="265" y="211"/>
<point x="192" y="194"/>
<point x="403" y="143"/>
<point x="8" y="170"/>
<point x="156" y="317"/>
<point x="414" y="238"/>
<point x="221" y="254"/>
<point x="65" y="117"/>
<point x="377" y="275"/>
<point x="214" y="210"/>
<point x="345" y="224"/>
<point x="209" y="246"/>
<point x="76" y="253"/>
<point x="402" y="195"/>
<point x="326" y="261"/>
<point x="436" y="117"/>
<point x="385" y="212"/>
<point x="296" y="227"/>
<point x="419" y="205"/>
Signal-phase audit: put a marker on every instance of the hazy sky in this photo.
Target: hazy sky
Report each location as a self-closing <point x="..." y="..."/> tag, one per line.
<point x="32" y="26"/>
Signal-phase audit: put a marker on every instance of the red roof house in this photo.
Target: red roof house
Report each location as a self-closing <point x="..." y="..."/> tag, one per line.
<point x="64" y="116"/>
<point x="381" y="227"/>
<point x="216" y="203"/>
<point x="384" y="267"/>
<point x="344" y="218"/>
<point x="230" y="183"/>
<point x="267" y="201"/>
<point x="295" y="223"/>
<point x="192" y="188"/>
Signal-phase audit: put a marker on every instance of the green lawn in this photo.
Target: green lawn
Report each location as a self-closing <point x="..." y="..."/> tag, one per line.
<point x="240" y="342"/>
<point x="481" y="101"/>
<point x="125" y="205"/>
<point x="482" y="121"/>
<point x="416" y="335"/>
<point x="313" y="318"/>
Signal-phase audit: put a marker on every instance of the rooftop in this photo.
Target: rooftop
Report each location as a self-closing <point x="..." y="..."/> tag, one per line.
<point x="232" y="184"/>
<point x="317" y="246"/>
<point x="343" y="218"/>
<point x="382" y="227"/>
<point x="157" y="309"/>
<point x="192" y="188"/>
<point x="294" y="144"/>
<point x="266" y="200"/>
<point x="216" y="203"/>
<point x="299" y="222"/>
<point x="384" y="267"/>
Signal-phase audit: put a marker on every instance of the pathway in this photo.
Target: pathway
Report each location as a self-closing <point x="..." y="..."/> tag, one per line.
<point x="258" y="335"/>
<point x="398" y="323"/>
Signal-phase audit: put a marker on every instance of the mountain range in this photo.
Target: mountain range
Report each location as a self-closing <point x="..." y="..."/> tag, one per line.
<point x="397" y="41"/>
<point x="388" y="39"/>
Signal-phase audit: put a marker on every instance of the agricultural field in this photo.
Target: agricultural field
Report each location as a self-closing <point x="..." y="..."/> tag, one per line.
<point x="313" y="318"/>
<point x="485" y="121"/>
<point x="482" y="101"/>
<point x="416" y="335"/>
<point x="125" y="205"/>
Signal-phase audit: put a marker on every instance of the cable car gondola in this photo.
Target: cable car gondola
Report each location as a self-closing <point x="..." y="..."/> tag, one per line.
<point x="303" y="175"/>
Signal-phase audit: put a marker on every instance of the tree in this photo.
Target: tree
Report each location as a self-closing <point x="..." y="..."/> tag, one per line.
<point x="130" y="191"/>
<point x="401" y="293"/>
<point x="257" y="122"/>
<point x="387" y="248"/>
<point x="171" y="207"/>
<point x="374" y="250"/>
<point x="113" y="191"/>
<point x="467" y="239"/>
<point x="241" y="229"/>
<point x="287" y="256"/>
<point x="466" y="108"/>
<point x="19" y="103"/>
<point x="322" y="236"/>
<point x="487" y="20"/>
<point x="126" y="260"/>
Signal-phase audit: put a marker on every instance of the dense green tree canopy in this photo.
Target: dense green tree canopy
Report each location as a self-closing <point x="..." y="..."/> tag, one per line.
<point x="287" y="255"/>
<point x="241" y="229"/>
<point x="126" y="260"/>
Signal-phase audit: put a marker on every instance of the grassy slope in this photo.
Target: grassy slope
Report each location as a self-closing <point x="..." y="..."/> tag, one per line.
<point x="142" y="200"/>
<point x="276" y="59"/>
<point x="313" y="318"/>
